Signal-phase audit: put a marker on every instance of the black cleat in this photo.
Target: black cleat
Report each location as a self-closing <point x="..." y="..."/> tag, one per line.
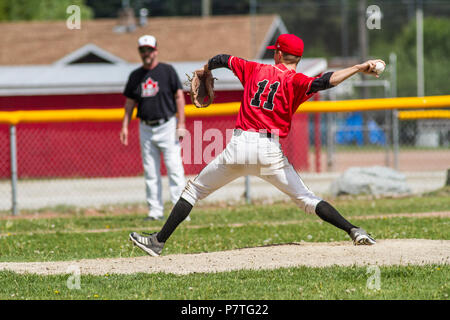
<point x="149" y="244"/>
<point x="361" y="237"/>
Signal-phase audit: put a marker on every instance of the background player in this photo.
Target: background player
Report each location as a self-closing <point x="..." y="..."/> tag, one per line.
<point x="157" y="92"/>
<point x="272" y="94"/>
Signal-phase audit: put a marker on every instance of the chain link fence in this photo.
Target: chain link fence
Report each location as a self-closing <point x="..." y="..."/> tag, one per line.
<point x="83" y="164"/>
<point x="420" y="145"/>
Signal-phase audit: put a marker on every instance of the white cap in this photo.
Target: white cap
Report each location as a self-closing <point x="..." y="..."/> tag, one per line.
<point x="147" y="41"/>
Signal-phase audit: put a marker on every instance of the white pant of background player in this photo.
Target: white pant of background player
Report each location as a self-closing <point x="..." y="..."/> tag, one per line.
<point x="154" y="141"/>
<point x="252" y="153"/>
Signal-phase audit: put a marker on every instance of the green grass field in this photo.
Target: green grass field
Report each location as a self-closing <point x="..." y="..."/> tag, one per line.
<point x="76" y="234"/>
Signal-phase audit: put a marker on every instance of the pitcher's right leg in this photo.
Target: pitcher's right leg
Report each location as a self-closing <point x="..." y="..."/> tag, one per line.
<point x="215" y="175"/>
<point x="287" y="180"/>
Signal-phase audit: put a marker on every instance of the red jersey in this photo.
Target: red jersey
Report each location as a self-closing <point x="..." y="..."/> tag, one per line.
<point x="272" y="94"/>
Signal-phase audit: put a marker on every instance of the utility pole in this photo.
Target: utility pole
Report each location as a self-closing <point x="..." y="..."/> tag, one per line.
<point x="419" y="48"/>
<point x="363" y="53"/>
<point x="344" y="28"/>
<point x="363" y="38"/>
<point x="253" y="48"/>
<point x="206" y="8"/>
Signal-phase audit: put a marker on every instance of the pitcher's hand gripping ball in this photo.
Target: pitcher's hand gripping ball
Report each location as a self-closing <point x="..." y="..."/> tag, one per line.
<point x="201" y="88"/>
<point x="379" y="67"/>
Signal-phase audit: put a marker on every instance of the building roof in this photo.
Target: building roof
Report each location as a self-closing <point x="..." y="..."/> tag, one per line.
<point x="45" y="58"/>
<point x="111" y="78"/>
<point x="179" y="38"/>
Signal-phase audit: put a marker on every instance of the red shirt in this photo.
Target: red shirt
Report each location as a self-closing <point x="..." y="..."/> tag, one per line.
<point x="272" y="94"/>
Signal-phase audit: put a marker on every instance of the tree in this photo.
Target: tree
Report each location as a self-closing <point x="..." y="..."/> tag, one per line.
<point x="436" y="64"/>
<point x="32" y="10"/>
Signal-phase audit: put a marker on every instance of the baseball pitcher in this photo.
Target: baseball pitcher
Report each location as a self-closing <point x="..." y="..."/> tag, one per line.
<point x="272" y="94"/>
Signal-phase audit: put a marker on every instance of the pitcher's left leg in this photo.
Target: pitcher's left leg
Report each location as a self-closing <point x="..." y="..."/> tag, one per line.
<point x="287" y="180"/>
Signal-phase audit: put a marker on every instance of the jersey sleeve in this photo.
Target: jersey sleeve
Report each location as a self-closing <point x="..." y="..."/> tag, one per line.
<point x="302" y="87"/>
<point x="175" y="82"/>
<point x="321" y="83"/>
<point x="219" y="61"/>
<point x="241" y="68"/>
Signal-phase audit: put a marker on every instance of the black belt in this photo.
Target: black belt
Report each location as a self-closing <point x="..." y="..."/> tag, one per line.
<point x="154" y="123"/>
<point x="261" y="134"/>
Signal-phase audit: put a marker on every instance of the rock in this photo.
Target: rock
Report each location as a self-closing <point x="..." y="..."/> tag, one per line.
<point x="375" y="180"/>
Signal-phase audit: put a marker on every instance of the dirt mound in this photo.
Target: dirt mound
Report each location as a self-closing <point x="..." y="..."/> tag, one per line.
<point x="385" y="252"/>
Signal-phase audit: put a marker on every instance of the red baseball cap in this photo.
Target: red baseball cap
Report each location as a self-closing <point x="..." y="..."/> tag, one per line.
<point x="289" y="43"/>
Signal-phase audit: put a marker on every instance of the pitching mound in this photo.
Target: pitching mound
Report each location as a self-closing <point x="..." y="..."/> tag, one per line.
<point x="385" y="252"/>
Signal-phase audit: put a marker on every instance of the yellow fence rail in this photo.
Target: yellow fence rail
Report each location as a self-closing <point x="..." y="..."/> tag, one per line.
<point x="424" y="114"/>
<point x="221" y="109"/>
<point x="336" y="106"/>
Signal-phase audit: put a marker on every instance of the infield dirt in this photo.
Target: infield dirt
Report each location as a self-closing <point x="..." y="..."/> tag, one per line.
<point x="385" y="252"/>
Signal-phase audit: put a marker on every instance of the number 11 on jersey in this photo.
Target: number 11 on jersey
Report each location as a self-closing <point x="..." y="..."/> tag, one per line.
<point x="256" y="101"/>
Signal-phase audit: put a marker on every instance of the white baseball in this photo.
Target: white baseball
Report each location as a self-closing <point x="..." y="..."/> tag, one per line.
<point x="379" y="67"/>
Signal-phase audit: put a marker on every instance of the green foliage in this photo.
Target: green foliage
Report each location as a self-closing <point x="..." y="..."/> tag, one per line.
<point x="40" y="10"/>
<point x="216" y="229"/>
<point x="428" y="282"/>
<point x="94" y="244"/>
<point x="105" y="8"/>
<point x="76" y="235"/>
<point x="436" y="63"/>
<point x="156" y="8"/>
<point x="317" y="24"/>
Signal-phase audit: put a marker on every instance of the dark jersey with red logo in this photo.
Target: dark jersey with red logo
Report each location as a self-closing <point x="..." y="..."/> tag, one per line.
<point x="154" y="91"/>
<point x="272" y="94"/>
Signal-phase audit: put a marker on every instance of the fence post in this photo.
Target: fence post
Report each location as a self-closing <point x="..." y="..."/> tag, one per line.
<point x="331" y="133"/>
<point x="248" y="198"/>
<point x="317" y="142"/>
<point x="395" y="137"/>
<point x="13" y="149"/>
<point x="387" y="127"/>
<point x="317" y="136"/>
<point x="393" y="94"/>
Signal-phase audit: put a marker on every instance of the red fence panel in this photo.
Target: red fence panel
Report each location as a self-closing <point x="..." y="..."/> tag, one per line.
<point x="93" y="149"/>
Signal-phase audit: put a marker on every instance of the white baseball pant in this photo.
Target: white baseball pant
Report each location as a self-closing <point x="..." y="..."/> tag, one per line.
<point x="251" y="153"/>
<point x="154" y="141"/>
